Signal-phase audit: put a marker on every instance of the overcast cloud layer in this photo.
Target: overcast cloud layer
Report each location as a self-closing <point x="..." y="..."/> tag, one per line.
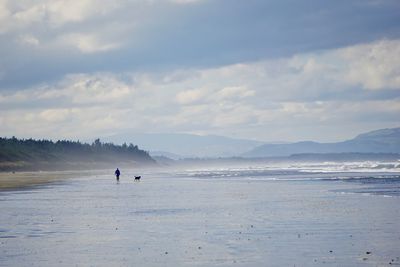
<point x="266" y="70"/>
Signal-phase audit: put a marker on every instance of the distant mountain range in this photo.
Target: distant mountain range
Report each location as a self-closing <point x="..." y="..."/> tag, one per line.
<point x="379" y="141"/>
<point x="186" y="145"/>
<point x="178" y="146"/>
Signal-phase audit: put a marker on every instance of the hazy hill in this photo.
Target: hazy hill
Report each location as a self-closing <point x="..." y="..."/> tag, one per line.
<point x="379" y="141"/>
<point x="155" y="154"/>
<point x="187" y="145"/>
<point x="338" y="157"/>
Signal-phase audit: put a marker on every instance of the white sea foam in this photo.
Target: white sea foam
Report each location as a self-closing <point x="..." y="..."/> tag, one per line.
<point x="299" y="171"/>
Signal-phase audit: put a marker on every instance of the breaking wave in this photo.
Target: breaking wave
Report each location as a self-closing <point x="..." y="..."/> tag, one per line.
<point x="352" y="171"/>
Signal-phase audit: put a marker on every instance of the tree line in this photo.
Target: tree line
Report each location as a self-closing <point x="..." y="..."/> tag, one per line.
<point x="31" y="150"/>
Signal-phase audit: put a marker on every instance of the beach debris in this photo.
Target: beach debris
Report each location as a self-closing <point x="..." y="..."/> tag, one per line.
<point x="199" y="247"/>
<point x="330" y="251"/>
<point x="166" y="252"/>
<point x="368" y="252"/>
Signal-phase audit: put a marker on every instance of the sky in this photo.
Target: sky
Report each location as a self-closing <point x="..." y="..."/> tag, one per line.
<point x="286" y="70"/>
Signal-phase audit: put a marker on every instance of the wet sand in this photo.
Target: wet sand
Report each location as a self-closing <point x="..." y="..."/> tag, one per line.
<point x="23" y="180"/>
<point x="165" y="220"/>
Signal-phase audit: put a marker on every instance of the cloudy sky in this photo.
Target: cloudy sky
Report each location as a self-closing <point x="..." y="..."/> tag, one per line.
<point x="283" y="70"/>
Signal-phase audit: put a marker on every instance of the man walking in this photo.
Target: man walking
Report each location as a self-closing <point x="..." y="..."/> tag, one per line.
<point x="117" y="174"/>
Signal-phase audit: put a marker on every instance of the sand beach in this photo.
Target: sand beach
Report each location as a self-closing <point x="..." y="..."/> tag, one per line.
<point x="204" y="217"/>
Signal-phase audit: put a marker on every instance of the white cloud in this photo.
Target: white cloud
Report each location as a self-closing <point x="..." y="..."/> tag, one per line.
<point x="185" y="1"/>
<point x="373" y="66"/>
<point x="97" y="89"/>
<point x="88" y="43"/>
<point x="80" y="89"/>
<point x="65" y="11"/>
<point x="32" y="14"/>
<point x="58" y="24"/>
<point x="191" y="96"/>
<point x="5" y="15"/>
<point x="234" y="92"/>
<point x="291" y="98"/>
<point x="52" y="13"/>
<point x="235" y="115"/>
<point x="24" y="15"/>
<point x="55" y="115"/>
<point x="4" y="12"/>
<point x="28" y="39"/>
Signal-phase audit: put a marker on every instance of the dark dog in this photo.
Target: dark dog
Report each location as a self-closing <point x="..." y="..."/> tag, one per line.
<point x="138" y="177"/>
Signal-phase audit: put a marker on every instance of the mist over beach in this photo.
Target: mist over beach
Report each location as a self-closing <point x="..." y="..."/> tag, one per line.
<point x="199" y="133"/>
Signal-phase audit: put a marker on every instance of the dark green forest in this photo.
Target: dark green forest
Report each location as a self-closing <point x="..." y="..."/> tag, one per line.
<point x="30" y="154"/>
